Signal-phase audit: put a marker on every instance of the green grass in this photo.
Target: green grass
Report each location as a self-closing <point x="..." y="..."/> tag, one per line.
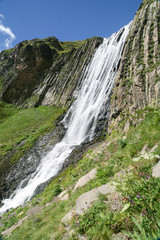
<point x="62" y="47"/>
<point x="68" y="46"/>
<point x="117" y="156"/>
<point x="21" y="128"/>
<point x="6" y="110"/>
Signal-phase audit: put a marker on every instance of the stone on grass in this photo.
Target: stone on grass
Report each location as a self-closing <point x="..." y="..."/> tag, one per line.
<point x="68" y="217"/>
<point x="63" y="195"/>
<point x="156" y="170"/>
<point x="85" y="179"/>
<point x="119" y="236"/>
<point x="86" y="200"/>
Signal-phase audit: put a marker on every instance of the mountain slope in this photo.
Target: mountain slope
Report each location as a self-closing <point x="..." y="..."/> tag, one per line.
<point x="43" y="72"/>
<point x="127" y="161"/>
<point x="35" y="73"/>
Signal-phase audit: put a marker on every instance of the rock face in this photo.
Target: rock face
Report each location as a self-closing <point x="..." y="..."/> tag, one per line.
<point x="44" y="72"/>
<point x="137" y="84"/>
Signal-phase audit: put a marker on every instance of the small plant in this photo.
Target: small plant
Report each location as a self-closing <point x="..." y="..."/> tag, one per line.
<point x="143" y="197"/>
<point x="140" y="233"/>
<point x="56" y="190"/>
<point x="99" y="222"/>
<point x="104" y="173"/>
<point x="122" y="143"/>
<point x="94" y="223"/>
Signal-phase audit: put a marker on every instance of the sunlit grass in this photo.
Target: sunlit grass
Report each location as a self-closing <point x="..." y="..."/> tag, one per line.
<point x="25" y="126"/>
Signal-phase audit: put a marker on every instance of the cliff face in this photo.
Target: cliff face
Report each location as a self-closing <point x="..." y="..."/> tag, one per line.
<point x="137" y="84"/>
<point x="43" y="72"/>
<point x="34" y="73"/>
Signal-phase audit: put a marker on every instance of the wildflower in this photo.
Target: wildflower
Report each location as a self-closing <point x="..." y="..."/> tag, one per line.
<point x="147" y="176"/>
<point x="144" y="212"/>
<point x="132" y="202"/>
<point x="138" y="196"/>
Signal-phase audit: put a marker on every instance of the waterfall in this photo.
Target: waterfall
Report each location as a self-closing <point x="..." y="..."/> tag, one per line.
<point x="81" y="119"/>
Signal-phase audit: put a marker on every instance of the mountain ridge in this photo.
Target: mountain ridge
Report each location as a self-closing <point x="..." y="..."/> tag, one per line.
<point x="123" y="160"/>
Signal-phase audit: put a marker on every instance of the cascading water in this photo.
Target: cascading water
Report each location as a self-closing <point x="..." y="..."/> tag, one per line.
<point x="81" y="119"/>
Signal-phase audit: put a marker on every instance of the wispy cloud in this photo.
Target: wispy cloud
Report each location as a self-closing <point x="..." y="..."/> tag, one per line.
<point x="1" y="16"/>
<point x="9" y="36"/>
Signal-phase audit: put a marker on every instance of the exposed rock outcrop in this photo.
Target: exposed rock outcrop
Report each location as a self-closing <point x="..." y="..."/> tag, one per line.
<point x="44" y="72"/>
<point x="85" y="179"/>
<point x="137" y="83"/>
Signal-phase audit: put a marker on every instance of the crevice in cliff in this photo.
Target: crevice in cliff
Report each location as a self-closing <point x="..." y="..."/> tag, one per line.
<point x="137" y="85"/>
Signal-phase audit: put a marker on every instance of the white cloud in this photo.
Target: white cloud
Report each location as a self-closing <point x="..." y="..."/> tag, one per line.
<point x="1" y="16"/>
<point x="7" y="32"/>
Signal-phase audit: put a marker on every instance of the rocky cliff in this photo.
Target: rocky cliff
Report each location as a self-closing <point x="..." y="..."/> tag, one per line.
<point x="124" y="168"/>
<point x="44" y="72"/>
<point x="47" y="71"/>
<point x="137" y="85"/>
<point x="34" y="73"/>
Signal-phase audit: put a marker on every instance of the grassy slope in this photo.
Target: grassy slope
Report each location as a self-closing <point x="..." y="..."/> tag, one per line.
<point x="68" y="46"/>
<point x="99" y="222"/>
<point x="19" y="129"/>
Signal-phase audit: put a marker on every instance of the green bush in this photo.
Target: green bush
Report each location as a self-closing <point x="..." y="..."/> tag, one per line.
<point x="56" y="190"/>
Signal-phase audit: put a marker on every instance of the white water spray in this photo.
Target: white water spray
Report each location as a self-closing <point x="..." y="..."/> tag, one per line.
<point x="95" y="91"/>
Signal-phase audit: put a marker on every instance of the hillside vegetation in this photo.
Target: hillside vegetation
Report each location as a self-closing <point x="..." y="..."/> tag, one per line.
<point x="112" y="191"/>
<point x="20" y="128"/>
<point x="124" y="160"/>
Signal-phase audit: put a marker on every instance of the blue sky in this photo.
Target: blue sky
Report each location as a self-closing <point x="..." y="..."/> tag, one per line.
<point x="68" y="20"/>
